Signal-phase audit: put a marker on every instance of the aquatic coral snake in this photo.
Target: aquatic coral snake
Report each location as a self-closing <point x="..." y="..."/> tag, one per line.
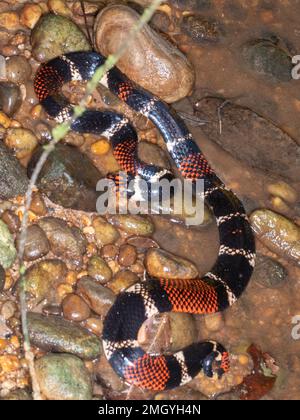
<point x="218" y="289"/>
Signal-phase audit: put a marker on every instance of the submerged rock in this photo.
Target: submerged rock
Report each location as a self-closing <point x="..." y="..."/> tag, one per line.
<point x="63" y="377"/>
<point x="278" y="233"/>
<point x="268" y="58"/>
<point x="250" y="137"/>
<point x="55" y="35"/>
<point x="13" y="179"/>
<point x="68" y="178"/>
<point x="269" y="272"/>
<point x="151" y="61"/>
<point x="201" y="29"/>
<point x="99" y="298"/>
<point x="133" y="224"/>
<point x="55" y="334"/>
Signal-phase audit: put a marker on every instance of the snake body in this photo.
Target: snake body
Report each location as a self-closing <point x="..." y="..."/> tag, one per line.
<point x="218" y="289"/>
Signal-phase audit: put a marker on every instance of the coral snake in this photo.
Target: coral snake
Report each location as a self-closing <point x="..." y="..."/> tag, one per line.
<point x="218" y="289"/>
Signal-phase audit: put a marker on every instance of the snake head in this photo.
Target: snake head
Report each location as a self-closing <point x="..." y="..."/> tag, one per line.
<point x="216" y="362"/>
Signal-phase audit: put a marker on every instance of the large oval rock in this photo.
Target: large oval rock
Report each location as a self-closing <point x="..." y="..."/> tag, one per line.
<point x="151" y="61"/>
<point x="55" y="334"/>
<point x="63" y="377"/>
<point x="160" y="263"/>
<point x="250" y="137"/>
<point x="55" y="35"/>
<point x="63" y="182"/>
<point x="278" y="233"/>
<point x="13" y="179"/>
<point x="8" y="251"/>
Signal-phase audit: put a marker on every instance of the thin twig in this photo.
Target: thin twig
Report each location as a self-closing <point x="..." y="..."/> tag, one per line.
<point x="58" y="133"/>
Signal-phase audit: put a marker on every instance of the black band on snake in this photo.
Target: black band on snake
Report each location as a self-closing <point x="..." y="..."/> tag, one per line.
<point x="218" y="289"/>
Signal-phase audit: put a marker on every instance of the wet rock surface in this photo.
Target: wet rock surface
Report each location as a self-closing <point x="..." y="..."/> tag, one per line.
<point x="42" y="278"/>
<point x="36" y="244"/>
<point x="278" y="233"/>
<point x="63" y="377"/>
<point x="149" y="55"/>
<point x="63" y="241"/>
<point x="132" y="224"/>
<point x="98" y="297"/>
<point x="99" y="270"/>
<point x="249" y="137"/>
<point x="201" y="29"/>
<point x="10" y="98"/>
<point x="61" y="181"/>
<point x="55" y="35"/>
<point x="160" y="263"/>
<point x="13" y="179"/>
<point x="58" y="335"/>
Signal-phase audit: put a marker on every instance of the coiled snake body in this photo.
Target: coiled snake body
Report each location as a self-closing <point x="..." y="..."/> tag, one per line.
<point x="218" y="289"/>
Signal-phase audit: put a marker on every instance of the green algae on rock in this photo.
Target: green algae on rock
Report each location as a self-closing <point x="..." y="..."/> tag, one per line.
<point x="55" y="35"/>
<point x="56" y="334"/>
<point x="63" y="377"/>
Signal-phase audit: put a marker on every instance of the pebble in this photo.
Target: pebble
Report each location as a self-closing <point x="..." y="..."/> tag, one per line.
<point x="11" y="220"/>
<point x="269" y="59"/>
<point x="105" y="233"/>
<point x="18" y="69"/>
<point x="109" y="252"/>
<point x="8" y="309"/>
<point x="38" y="205"/>
<point x="214" y="322"/>
<point x="278" y="233"/>
<point x="55" y="35"/>
<point x="52" y="309"/>
<point x="99" y="270"/>
<point x="10" y="98"/>
<point x="36" y="243"/>
<point x="257" y="133"/>
<point x="42" y="278"/>
<point x="94" y="325"/>
<point x="22" y="141"/>
<point x="283" y="190"/>
<point x="4" y="120"/>
<point x="133" y="224"/>
<point x="153" y="155"/>
<point x="123" y="280"/>
<point x="151" y="61"/>
<point x="64" y="241"/>
<point x="13" y="179"/>
<point x="30" y="15"/>
<point x="142" y="243"/>
<point x="10" y="21"/>
<point x="98" y="297"/>
<point x="56" y="334"/>
<point x="61" y="181"/>
<point x="160" y="263"/>
<point x="63" y="377"/>
<point x="201" y="29"/>
<point x="127" y="255"/>
<point x="101" y="147"/>
<point x="59" y="7"/>
<point x="269" y="272"/>
<point x="2" y="278"/>
<point x="8" y="252"/>
<point x="74" y="308"/>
